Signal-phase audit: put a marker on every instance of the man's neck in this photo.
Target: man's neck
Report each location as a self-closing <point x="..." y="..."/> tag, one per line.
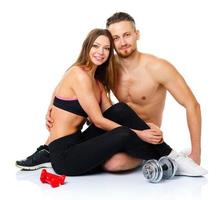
<point x="129" y="62"/>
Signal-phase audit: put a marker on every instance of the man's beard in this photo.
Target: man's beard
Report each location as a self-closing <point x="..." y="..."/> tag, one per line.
<point x="126" y="55"/>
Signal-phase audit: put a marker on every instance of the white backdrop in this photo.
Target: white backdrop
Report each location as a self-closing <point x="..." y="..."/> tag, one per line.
<point x="40" y="39"/>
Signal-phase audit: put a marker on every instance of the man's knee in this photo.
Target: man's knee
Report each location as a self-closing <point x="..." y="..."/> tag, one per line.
<point x="121" y="162"/>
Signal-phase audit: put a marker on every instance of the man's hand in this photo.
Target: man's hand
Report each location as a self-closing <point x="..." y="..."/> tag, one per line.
<point x="153" y="126"/>
<point x="150" y="136"/>
<point x="49" y="120"/>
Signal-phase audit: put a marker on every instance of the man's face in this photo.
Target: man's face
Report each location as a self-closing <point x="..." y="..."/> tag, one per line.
<point x="125" y="37"/>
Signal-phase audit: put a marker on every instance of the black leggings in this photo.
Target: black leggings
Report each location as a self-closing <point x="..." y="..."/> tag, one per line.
<point x="85" y="152"/>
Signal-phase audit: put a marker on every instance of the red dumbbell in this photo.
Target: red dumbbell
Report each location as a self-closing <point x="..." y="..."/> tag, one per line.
<point x="53" y="179"/>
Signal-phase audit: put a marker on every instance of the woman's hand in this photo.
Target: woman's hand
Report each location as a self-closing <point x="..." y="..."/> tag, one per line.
<point x="150" y="136"/>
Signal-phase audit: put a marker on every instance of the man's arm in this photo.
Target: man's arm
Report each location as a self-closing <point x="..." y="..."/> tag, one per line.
<point x="170" y="78"/>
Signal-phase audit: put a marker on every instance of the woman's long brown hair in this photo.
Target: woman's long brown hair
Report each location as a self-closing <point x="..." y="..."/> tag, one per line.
<point x="105" y="73"/>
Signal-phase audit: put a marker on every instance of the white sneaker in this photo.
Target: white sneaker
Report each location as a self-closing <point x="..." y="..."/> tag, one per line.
<point x="185" y="151"/>
<point x="186" y="166"/>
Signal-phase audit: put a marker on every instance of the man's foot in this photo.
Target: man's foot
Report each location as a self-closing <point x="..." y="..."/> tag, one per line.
<point x="186" y="166"/>
<point x="185" y="151"/>
<point x="39" y="159"/>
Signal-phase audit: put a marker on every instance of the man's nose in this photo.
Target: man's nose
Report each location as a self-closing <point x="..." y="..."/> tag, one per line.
<point x="123" y="42"/>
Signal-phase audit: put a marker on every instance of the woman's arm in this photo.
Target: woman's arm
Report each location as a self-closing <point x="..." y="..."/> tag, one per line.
<point x="153" y="135"/>
<point x="83" y="88"/>
<point x="105" y="100"/>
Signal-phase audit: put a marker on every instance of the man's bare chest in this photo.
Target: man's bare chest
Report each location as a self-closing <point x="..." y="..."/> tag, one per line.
<point x="137" y="89"/>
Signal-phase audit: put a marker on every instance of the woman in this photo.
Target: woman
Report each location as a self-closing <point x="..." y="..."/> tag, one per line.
<point x="82" y="93"/>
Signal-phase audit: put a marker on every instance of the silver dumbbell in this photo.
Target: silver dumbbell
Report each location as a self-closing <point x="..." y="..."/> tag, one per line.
<point x="155" y="170"/>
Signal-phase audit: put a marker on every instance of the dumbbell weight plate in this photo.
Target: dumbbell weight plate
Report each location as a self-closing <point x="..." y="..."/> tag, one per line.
<point x="152" y="171"/>
<point x="169" y="167"/>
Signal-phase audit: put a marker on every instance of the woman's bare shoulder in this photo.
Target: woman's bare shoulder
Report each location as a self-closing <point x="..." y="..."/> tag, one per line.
<point x="77" y="73"/>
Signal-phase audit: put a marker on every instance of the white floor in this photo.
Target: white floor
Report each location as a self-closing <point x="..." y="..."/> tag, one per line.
<point x="38" y="42"/>
<point x="109" y="186"/>
<point x="27" y="186"/>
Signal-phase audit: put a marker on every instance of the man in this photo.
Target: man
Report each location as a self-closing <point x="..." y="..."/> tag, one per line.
<point x="142" y="83"/>
<point x="144" y="80"/>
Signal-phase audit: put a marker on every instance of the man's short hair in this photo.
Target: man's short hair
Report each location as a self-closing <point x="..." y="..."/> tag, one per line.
<point x="118" y="17"/>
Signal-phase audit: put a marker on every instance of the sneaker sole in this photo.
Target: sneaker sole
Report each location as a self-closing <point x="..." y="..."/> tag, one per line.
<point x="188" y="174"/>
<point x="45" y="165"/>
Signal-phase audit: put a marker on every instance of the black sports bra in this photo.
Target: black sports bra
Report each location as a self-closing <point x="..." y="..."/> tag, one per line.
<point x="70" y="105"/>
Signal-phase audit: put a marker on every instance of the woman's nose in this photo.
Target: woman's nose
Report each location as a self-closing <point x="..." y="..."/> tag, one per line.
<point x="100" y="50"/>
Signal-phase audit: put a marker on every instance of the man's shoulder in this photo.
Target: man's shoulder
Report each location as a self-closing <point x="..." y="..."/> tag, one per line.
<point x="154" y="62"/>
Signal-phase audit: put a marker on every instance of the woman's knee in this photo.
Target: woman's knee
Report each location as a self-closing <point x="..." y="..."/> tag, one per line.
<point x="119" y="112"/>
<point x="123" y="132"/>
<point x="117" y="108"/>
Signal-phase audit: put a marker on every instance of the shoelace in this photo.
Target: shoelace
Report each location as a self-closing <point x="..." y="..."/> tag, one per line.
<point x="37" y="150"/>
<point x="31" y="157"/>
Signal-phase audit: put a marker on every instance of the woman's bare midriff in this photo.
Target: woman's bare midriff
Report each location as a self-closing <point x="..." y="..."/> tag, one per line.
<point x="65" y="123"/>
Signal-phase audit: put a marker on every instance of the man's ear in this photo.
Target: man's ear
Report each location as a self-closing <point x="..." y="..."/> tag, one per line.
<point x="138" y="34"/>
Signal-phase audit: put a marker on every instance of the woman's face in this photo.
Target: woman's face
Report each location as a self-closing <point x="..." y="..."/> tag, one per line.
<point x="100" y="49"/>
